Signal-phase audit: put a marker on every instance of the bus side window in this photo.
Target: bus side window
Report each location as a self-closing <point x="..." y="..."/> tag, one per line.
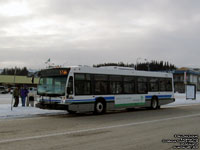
<point x="116" y="84"/>
<point x="142" y="85"/>
<point x="129" y="85"/>
<point x="162" y="85"/>
<point x="169" y="85"/>
<point x="82" y="84"/>
<point x="70" y="86"/>
<point x="166" y="85"/>
<point x="153" y="85"/>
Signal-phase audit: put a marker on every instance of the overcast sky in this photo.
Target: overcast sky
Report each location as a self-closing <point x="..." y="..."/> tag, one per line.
<point x="87" y="32"/>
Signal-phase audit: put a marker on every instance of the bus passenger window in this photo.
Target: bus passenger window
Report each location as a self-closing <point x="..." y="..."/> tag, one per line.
<point x="100" y="87"/>
<point x="116" y="84"/>
<point x="153" y="85"/>
<point x="162" y="85"/>
<point x="129" y="85"/>
<point x="142" y="85"/>
<point x="168" y="85"/>
<point x="100" y="84"/>
<point x="142" y="88"/>
<point x="82" y="84"/>
<point x="115" y="87"/>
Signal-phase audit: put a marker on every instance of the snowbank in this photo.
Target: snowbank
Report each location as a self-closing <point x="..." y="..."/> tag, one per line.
<point x="5" y="109"/>
<point x="180" y="99"/>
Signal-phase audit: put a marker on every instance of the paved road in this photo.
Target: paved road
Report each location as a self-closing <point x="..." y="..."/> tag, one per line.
<point x="136" y="130"/>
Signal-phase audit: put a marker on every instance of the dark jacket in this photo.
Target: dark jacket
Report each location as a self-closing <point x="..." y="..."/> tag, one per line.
<point x="16" y="92"/>
<point x="23" y="92"/>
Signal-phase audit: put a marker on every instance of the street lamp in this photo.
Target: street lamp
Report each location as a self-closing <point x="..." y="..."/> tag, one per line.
<point x="147" y="64"/>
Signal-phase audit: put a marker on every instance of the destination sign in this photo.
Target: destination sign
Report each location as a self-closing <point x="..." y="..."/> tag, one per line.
<point x="54" y="72"/>
<point x="63" y="72"/>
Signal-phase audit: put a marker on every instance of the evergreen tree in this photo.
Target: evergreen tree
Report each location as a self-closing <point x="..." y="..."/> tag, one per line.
<point x="15" y="71"/>
<point x="154" y="65"/>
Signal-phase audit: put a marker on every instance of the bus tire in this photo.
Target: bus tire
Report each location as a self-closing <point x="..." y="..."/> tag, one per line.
<point x="154" y="103"/>
<point x="99" y="107"/>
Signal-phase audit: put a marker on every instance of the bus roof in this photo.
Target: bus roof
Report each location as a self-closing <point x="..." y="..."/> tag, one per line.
<point x="118" y="71"/>
<point x="111" y="70"/>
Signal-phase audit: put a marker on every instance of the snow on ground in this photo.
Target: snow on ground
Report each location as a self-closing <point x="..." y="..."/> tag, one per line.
<point x="18" y="112"/>
<point x="5" y="109"/>
<point x="180" y="99"/>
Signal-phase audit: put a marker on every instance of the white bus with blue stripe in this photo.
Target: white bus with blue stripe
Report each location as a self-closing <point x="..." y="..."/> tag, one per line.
<point x="88" y="89"/>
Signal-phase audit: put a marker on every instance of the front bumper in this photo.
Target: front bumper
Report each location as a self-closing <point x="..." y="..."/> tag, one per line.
<point x="52" y="106"/>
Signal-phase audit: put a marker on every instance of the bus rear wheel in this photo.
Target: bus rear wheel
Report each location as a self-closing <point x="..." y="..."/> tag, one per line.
<point x="99" y="107"/>
<point x="154" y="103"/>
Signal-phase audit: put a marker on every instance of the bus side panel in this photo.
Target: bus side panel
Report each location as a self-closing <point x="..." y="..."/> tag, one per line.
<point x="163" y="98"/>
<point x="81" y="107"/>
<point x="82" y="103"/>
<point x="110" y="106"/>
<point x="166" y="101"/>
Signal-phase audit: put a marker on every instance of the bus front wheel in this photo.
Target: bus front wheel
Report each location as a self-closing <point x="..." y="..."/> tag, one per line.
<point x="99" y="107"/>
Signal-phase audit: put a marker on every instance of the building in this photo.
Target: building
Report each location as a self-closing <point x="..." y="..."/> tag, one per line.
<point x="185" y="76"/>
<point x="11" y="80"/>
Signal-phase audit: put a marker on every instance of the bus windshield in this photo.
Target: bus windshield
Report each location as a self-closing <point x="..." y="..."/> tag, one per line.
<point x="52" y="86"/>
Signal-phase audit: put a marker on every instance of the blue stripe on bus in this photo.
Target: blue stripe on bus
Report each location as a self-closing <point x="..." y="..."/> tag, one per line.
<point x="159" y="96"/>
<point x="111" y="98"/>
<point x="83" y="100"/>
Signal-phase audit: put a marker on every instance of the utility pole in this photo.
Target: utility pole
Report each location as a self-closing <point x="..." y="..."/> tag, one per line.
<point x="147" y="64"/>
<point x="14" y="89"/>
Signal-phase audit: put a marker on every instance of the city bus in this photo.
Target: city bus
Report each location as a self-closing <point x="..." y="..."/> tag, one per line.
<point x="88" y="89"/>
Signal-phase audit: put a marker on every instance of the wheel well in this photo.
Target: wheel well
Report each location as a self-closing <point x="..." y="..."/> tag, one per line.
<point x="155" y="97"/>
<point x="101" y="99"/>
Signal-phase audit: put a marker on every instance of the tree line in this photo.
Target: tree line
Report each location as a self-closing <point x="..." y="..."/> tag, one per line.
<point x="15" y="71"/>
<point x="145" y="66"/>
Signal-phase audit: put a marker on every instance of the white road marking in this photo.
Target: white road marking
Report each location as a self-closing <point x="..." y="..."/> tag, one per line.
<point x="94" y="129"/>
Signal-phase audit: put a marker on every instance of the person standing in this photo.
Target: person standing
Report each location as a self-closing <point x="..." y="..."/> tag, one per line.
<point x="23" y="94"/>
<point x="16" y="96"/>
